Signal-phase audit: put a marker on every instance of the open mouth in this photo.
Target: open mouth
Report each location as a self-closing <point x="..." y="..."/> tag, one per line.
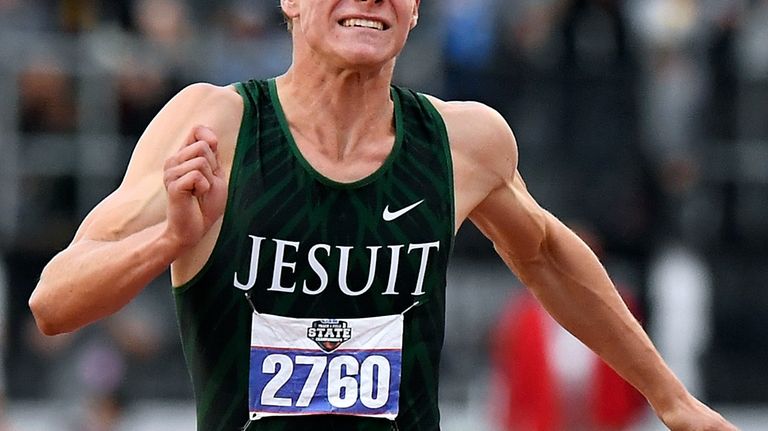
<point x="363" y="23"/>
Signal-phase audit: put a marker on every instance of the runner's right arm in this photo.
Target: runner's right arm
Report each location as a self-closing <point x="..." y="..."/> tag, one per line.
<point x="172" y="193"/>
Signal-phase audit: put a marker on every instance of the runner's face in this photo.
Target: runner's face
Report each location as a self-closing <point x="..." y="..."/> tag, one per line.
<point x="354" y="32"/>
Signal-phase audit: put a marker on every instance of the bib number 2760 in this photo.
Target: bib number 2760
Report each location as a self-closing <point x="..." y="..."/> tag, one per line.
<point x="301" y="367"/>
<point x="343" y="380"/>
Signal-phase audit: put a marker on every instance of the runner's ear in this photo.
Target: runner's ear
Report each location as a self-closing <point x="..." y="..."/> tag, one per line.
<point x="415" y="15"/>
<point x="290" y="8"/>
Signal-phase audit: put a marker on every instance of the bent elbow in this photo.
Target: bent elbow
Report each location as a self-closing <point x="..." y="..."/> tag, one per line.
<point x="48" y="328"/>
<point x="44" y="317"/>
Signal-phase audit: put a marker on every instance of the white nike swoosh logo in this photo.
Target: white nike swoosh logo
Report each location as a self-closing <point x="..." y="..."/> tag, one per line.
<point x="389" y="216"/>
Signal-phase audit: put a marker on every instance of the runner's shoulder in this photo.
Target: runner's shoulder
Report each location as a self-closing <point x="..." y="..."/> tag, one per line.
<point x="479" y="132"/>
<point x="206" y="97"/>
<point x="219" y="108"/>
<point x="200" y="104"/>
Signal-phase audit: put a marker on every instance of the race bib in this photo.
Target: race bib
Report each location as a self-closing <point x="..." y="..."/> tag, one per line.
<point x="323" y="366"/>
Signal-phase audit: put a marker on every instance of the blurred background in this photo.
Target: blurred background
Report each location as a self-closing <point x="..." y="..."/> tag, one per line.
<point x="643" y="124"/>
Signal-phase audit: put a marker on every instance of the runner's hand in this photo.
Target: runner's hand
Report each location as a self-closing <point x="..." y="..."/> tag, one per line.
<point x="696" y="417"/>
<point x="196" y="189"/>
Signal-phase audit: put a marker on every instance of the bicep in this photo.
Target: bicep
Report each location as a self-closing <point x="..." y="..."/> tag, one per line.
<point x="139" y="201"/>
<point x="512" y="219"/>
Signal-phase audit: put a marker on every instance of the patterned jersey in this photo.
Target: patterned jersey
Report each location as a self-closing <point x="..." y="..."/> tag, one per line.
<point x="326" y="255"/>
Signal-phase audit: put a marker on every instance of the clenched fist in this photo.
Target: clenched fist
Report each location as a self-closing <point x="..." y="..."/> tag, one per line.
<point x="196" y="188"/>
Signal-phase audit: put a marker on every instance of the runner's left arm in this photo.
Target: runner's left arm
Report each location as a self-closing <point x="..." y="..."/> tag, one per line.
<point x="570" y="282"/>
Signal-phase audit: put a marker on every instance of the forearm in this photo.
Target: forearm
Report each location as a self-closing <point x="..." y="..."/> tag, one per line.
<point x="93" y="279"/>
<point x="573" y="286"/>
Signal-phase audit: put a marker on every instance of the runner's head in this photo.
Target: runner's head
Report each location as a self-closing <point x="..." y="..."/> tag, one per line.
<point x="350" y="33"/>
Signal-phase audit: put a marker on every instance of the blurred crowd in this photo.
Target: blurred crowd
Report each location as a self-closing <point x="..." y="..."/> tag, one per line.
<point x="641" y="119"/>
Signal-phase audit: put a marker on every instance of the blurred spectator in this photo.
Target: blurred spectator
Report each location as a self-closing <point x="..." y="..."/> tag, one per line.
<point x="127" y="354"/>
<point x="469" y="49"/>
<point x="103" y="412"/>
<point x="547" y="380"/>
<point x="575" y="99"/>
<point x="150" y="72"/>
<point x="117" y="14"/>
<point x="164" y="22"/>
<point x="47" y="115"/>
<point x="674" y="36"/>
<point x="47" y="106"/>
<point x="143" y="88"/>
<point x="247" y="19"/>
<point x="47" y="97"/>
<point x="672" y="33"/>
<point x="26" y="15"/>
<point x="590" y="34"/>
<point x="680" y="291"/>
<point x="256" y="34"/>
<point x="78" y="15"/>
<point x="529" y="26"/>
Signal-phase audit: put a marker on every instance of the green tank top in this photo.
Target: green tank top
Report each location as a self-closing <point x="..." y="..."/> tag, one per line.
<point x="305" y="246"/>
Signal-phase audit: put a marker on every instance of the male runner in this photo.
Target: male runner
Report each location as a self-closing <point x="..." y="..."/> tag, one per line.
<point x="307" y="221"/>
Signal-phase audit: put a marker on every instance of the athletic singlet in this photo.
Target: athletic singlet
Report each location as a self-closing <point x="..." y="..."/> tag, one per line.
<point x="343" y="321"/>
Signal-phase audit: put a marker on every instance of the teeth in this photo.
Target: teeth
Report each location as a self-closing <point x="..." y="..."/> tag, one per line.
<point x="357" y="22"/>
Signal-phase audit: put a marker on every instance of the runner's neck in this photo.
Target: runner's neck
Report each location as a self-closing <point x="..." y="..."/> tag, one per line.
<point x="340" y="113"/>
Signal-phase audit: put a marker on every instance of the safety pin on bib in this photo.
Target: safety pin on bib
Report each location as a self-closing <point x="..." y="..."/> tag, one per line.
<point x="253" y="307"/>
<point x="414" y="305"/>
